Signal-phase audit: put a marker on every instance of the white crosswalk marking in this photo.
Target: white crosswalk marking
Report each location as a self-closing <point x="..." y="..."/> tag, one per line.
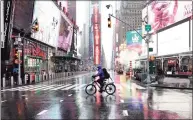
<point x="53" y="87"/>
<point x="41" y="88"/>
<point x="69" y="87"/>
<point x="34" y="87"/>
<point x="79" y="86"/>
<point x="17" y="88"/>
<point x="27" y="88"/>
<point x="49" y="87"/>
<point x="61" y="87"/>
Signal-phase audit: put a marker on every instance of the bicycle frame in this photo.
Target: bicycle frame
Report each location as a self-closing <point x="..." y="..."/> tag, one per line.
<point x="95" y="82"/>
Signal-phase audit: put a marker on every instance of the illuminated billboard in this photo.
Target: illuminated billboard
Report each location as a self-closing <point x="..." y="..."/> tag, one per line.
<point x="48" y="16"/>
<point x="174" y="40"/>
<point x="134" y="41"/>
<point x="97" y="35"/>
<point x="164" y="13"/>
<point x="65" y="35"/>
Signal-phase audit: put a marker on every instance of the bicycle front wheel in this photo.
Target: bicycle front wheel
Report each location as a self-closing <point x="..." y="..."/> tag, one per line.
<point x="90" y="89"/>
<point x="110" y="89"/>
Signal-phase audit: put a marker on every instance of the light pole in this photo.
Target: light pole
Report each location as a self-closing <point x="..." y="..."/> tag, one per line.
<point x="18" y="42"/>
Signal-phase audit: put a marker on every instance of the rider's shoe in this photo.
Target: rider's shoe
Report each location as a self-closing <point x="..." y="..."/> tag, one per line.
<point x="101" y="91"/>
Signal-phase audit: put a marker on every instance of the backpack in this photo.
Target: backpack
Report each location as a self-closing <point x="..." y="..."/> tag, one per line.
<point x="106" y="74"/>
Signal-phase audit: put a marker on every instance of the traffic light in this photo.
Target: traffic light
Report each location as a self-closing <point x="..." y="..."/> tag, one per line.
<point x="36" y="27"/>
<point x="109" y="22"/>
<point x="16" y="60"/>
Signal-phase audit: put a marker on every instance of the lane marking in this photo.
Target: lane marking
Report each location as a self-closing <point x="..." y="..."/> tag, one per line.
<point x="61" y="100"/>
<point x="125" y="113"/>
<point x="122" y="101"/>
<point x="70" y="95"/>
<point x="69" y="87"/>
<point x="61" y="87"/>
<point x="42" y="112"/>
<point x="3" y="101"/>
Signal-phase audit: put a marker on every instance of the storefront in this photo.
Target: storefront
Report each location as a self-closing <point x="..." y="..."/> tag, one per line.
<point x="36" y="57"/>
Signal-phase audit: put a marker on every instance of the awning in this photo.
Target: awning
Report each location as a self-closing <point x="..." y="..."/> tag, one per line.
<point x="67" y="57"/>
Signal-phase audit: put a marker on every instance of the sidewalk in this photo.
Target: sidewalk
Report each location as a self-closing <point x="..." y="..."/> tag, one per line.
<point x="78" y="74"/>
<point x="175" y="83"/>
<point x="170" y="83"/>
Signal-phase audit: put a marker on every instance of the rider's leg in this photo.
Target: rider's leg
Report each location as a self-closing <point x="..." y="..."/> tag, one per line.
<point x="100" y="81"/>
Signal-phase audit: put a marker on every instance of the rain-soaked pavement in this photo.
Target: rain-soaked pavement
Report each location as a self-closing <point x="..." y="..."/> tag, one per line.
<point x="66" y="99"/>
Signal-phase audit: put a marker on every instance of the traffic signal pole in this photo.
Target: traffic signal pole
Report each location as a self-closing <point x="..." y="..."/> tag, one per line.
<point x="147" y="40"/>
<point x="19" y="63"/>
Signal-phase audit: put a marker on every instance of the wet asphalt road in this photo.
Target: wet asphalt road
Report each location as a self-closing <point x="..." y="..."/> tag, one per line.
<point x="66" y="99"/>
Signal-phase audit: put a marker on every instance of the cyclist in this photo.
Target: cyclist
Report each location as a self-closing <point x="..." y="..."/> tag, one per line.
<point x="101" y="77"/>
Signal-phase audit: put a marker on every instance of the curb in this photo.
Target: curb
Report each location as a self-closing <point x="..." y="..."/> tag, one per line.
<point x="170" y="87"/>
<point x="157" y="86"/>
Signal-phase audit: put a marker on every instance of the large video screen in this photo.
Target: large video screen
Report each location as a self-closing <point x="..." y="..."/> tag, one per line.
<point x="164" y="13"/>
<point x="65" y="35"/>
<point x="48" y="16"/>
<point x="174" y="40"/>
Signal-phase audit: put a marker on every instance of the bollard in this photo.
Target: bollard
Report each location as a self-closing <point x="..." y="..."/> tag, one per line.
<point x="40" y="77"/>
<point x="36" y="78"/>
<point x="30" y="78"/>
<point x="46" y="76"/>
<point x="12" y="81"/>
<point x="26" y="78"/>
<point x="19" y="81"/>
<point x="3" y="81"/>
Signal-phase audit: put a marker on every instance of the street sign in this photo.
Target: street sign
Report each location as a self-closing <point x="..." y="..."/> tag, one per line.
<point x="147" y="27"/>
<point x="150" y="49"/>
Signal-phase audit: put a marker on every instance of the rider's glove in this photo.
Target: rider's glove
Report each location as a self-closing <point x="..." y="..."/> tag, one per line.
<point x="93" y="76"/>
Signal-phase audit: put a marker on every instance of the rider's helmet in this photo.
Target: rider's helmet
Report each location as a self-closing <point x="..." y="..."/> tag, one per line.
<point x="99" y="67"/>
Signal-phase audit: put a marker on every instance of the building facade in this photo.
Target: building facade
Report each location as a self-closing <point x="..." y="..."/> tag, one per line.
<point x="129" y="12"/>
<point x="176" y="59"/>
<point x="41" y="48"/>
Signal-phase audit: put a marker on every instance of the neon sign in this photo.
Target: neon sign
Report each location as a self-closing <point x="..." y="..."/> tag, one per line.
<point x="96" y="29"/>
<point x="35" y="51"/>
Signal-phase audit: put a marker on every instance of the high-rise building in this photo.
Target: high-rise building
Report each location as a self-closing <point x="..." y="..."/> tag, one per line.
<point x="71" y="9"/>
<point x="131" y="13"/>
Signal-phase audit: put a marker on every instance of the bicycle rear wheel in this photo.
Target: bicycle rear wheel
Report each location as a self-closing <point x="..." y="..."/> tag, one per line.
<point x="90" y="89"/>
<point x="110" y="89"/>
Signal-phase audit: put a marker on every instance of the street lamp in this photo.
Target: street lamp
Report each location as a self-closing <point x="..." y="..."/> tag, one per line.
<point x="108" y="6"/>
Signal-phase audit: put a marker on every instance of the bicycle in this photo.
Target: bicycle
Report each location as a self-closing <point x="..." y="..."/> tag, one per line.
<point x="91" y="88"/>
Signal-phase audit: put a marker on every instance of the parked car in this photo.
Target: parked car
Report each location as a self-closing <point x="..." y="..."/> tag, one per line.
<point x="120" y="71"/>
